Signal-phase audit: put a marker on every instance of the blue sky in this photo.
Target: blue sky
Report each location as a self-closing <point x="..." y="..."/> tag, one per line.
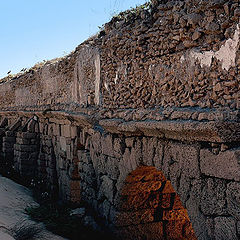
<point x="35" y="30"/>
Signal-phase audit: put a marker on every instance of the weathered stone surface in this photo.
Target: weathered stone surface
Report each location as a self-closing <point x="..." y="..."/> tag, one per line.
<point x="168" y="71"/>
<point x="105" y="208"/>
<point x="107" y="145"/>
<point x="238" y="228"/>
<point x="118" y="147"/>
<point x="66" y="131"/>
<point x="198" y="220"/>
<point x="63" y="143"/>
<point x="225" y="228"/>
<point x="181" y="158"/>
<point x="148" y="149"/>
<point x="233" y="199"/>
<point x="213" y="197"/>
<point x="224" y="165"/>
<point x="106" y="189"/>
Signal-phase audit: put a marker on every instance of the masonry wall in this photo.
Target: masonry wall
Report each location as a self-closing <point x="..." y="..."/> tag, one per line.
<point x="173" y="54"/>
<point x="91" y="162"/>
<point x="164" y="54"/>
<point x="157" y="88"/>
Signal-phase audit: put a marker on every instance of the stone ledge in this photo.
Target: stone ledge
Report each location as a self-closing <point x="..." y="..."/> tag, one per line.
<point x="177" y="130"/>
<point x="182" y="130"/>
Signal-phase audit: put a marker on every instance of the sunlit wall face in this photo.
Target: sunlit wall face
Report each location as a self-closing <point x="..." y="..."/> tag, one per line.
<point x="150" y="208"/>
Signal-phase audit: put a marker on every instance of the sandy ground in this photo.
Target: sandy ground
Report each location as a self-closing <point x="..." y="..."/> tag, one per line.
<point x="14" y="198"/>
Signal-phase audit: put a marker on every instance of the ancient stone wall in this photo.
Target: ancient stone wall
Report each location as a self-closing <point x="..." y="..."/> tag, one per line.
<point x="167" y="53"/>
<point x="177" y="53"/>
<point x="94" y="161"/>
<point x="154" y="95"/>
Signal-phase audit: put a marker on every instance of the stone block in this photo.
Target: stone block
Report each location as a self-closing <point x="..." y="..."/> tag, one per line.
<point x="118" y="147"/>
<point x="7" y="145"/>
<point x="225" y="228"/>
<point x="66" y="131"/>
<point x="134" y="217"/>
<point x="62" y="163"/>
<point x="56" y="130"/>
<point x="197" y="219"/>
<point x="107" y="145"/>
<point x="96" y="142"/>
<point x="184" y="158"/>
<point x="112" y="165"/>
<point x="238" y="227"/>
<point x="4" y="122"/>
<point x="104" y="208"/>
<point x="69" y="152"/>
<point x="63" y="143"/>
<point x="213" y="197"/>
<point x="10" y="134"/>
<point x="73" y="131"/>
<point x="148" y="149"/>
<point x="127" y="164"/>
<point x="7" y="150"/>
<point x="223" y="165"/>
<point x="9" y="139"/>
<point x="129" y="141"/>
<point x="106" y="189"/>
<point x="23" y="141"/>
<point x="15" y="125"/>
<point x="233" y="199"/>
<point x="25" y="148"/>
<point x="31" y="126"/>
<point x="27" y="135"/>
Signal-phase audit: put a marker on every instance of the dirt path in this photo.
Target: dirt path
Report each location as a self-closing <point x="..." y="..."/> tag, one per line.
<point x="14" y="198"/>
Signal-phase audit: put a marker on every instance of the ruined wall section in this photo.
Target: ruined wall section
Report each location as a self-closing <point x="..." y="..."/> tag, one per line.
<point x="162" y="54"/>
<point x="48" y="84"/>
<point x="173" y="54"/>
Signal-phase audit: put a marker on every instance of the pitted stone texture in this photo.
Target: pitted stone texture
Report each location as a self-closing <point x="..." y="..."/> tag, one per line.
<point x="106" y="189"/>
<point x="180" y="164"/>
<point x="213" y="197"/>
<point x="223" y="165"/>
<point x="107" y="145"/>
<point x="198" y="220"/>
<point x="225" y="228"/>
<point x="181" y="158"/>
<point x="233" y="199"/>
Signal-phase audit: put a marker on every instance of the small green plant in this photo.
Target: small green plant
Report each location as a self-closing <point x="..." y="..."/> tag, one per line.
<point x="136" y="11"/>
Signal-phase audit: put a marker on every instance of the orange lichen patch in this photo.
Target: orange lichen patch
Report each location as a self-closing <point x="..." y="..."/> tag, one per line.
<point x="149" y="200"/>
<point x="145" y="174"/>
<point x="188" y="231"/>
<point x="134" y="217"/>
<point x="137" y="187"/>
<point x="168" y="188"/>
<point x="155" y="176"/>
<point x="138" y="201"/>
<point x="175" y="215"/>
<point x="180" y="230"/>
<point x="177" y="203"/>
<point x="141" y="231"/>
<point x="166" y="200"/>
